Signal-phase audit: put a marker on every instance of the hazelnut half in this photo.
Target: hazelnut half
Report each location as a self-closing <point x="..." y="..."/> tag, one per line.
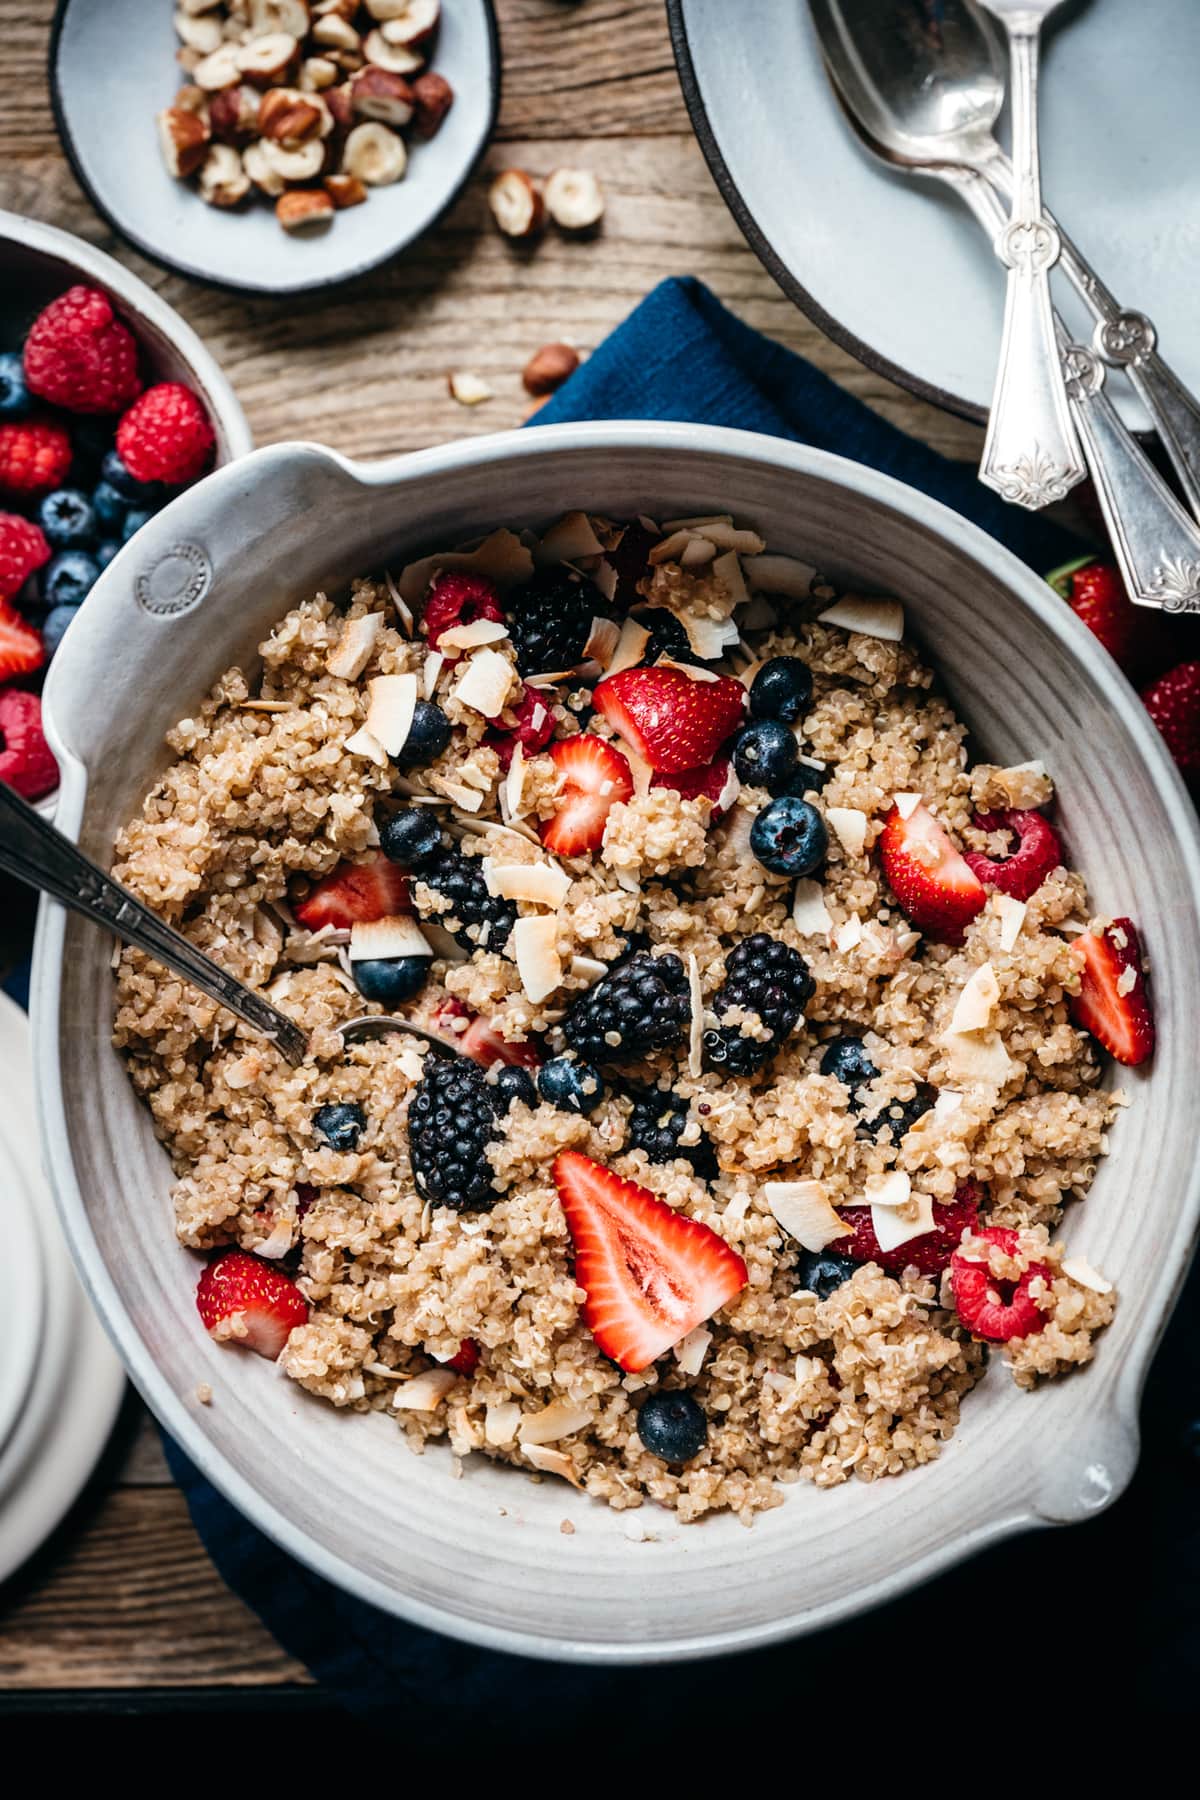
<point x="303" y="209"/>
<point x="183" y="138"/>
<point x="516" y="204"/>
<point x="234" y="114"/>
<point x="415" y="26"/>
<point x="223" y="179"/>
<point x="376" y="94"/>
<point x="345" y="190"/>
<point x="574" y="199"/>
<point x="434" y="97"/>
<point x="398" y="59"/>
<point x="375" y="154"/>
<point x="266" y="60"/>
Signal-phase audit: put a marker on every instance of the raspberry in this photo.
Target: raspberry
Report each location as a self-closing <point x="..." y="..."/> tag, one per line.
<point x="533" y="730"/>
<point x="25" y="760"/>
<point x="991" y="1308"/>
<point x="23" y="548"/>
<point x="465" y="1360"/>
<point x="930" y="1253"/>
<point x="78" y="356"/>
<point x="34" y="457"/>
<point x="166" y="436"/>
<point x="459" y="598"/>
<point x="1038" y="851"/>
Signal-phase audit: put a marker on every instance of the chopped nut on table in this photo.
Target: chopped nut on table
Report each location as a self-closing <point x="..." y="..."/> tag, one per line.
<point x="301" y="102"/>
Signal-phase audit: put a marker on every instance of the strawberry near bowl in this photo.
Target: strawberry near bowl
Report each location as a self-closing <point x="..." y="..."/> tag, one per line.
<point x="90" y="357"/>
<point x="483" y="1557"/>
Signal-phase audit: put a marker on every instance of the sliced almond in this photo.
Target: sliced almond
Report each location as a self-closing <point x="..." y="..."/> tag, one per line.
<point x="485" y="683"/>
<point x="375" y="154"/>
<point x="516" y="205"/>
<point x="803" y="1209"/>
<point x="1077" y="1269"/>
<point x="870" y="618"/>
<point x="355" y="646"/>
<point x="977" y="1002"/>
<point x="850" y="825"/>
<point x="535" y="951"/>
<point x="809" y="911"/>
<point x="379" y="939"/>
<point x="391" y="705"/>
<point x="425" y="1392"/>
<point x="574" y="199"/>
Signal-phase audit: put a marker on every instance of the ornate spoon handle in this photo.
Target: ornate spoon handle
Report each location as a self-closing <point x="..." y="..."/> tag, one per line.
<point x="35" y="853"/>
<point x="1031" y="455"/>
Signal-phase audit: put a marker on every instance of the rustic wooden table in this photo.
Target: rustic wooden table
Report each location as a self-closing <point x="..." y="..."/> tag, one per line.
<point x="126" y="1602"/>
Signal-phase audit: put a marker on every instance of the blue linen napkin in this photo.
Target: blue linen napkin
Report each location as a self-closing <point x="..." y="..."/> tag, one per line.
<point x="682" y="356"/>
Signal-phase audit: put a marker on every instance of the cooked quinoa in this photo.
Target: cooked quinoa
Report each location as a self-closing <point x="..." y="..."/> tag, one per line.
<point x="274" y="786"/>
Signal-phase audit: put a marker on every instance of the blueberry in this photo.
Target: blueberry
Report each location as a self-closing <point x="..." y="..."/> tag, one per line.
<point x="820" y="1272"/>
<point x="14" y="395"/>
<point x="114" y="472"/>
<point x="848" y="1062"/>
<point x="109" y="507"/>
<point x="571" y="1086"/>
<point x="68" y="578"/>
<point x="764" y="755"/>
<point x="105" y="551"/>
<point x="340" y="1124"/>
<point x="512" y="1084"/>
<point x="808" y="780"/>
<point x="135" y="518"/>
<point x="789" y="837"/>
<point x="672" y="1425"/>
<point x="410" y="837"/>
<point x="428" y="736"/>
<point x="391" y="979"/>
<point x="67" y="518"/>
<point x="782" y="689"/>
<point x="54" y="624"/>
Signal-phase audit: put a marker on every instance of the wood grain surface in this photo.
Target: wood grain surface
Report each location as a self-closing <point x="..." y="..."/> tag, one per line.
<point x="125" y="1598"/>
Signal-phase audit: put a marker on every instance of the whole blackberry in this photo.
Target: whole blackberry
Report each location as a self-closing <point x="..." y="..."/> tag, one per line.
<point x="479" y="920"/>
<point x="656" y="1125"/>
<point x="899" y="1116"/>
<point x="766" y="977"/>
<point x="451" y="1122"/>
<point x="667" y="637"/>
<point x="642" y="1006"/>
<point x="550" y="618"/>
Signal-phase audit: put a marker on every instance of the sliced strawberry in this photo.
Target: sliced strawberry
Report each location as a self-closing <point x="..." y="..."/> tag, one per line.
<point x="355" y="894"/>
<point x="465" y="1360"/>
<point x="595" y="777"/>
<point x="533" y="730"/>
<point x="708" y="783"/>
<point x="673" y="722"/>
<point x="929" y="1253"/>
<point x="1112" y="1002"/>
<point x="459" y="598"/>
<point x="993" y="1309"/>
<point x="651" y="1275"/>
<point x="934" y="885"/>
<point x="1038" y="852"/>
<point x="483" y="1043"/>
<point x="248" y="1301"/>
<point x="21" y="648"/>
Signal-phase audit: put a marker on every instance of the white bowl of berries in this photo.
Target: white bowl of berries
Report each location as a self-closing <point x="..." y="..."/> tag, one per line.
<point x="109" y="406"/>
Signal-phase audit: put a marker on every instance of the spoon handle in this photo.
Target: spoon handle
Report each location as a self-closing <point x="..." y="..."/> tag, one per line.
<point x="1031" y="455"/>
<point x="43" y="858"/>
<point x="1157" y="544"/>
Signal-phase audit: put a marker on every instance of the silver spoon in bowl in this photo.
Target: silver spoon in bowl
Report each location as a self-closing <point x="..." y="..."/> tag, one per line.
<point x="34" y="852"/>
<point x="934" y="97"/>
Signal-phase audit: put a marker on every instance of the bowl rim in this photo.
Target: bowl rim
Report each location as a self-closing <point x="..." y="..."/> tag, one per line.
<point x="194" y="271"/>
<point x="1124" y="1391"/>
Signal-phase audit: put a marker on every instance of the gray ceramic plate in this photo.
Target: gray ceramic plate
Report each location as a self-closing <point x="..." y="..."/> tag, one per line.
<point x="894" y="269"/>
<point x="112" y="68"/>
<point x="483" y="1557"/>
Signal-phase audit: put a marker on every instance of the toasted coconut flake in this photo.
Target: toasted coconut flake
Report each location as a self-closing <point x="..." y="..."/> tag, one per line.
<point x="697" y="553"/>
<point x="810" y="914"/>
<point x="849" y="935"/>
<point x="728" y="571"/>
<point x="631" y="646"/>
<point x="265" y="706"/>
<point x="892" y="1227"/>
<point x="355" y="646"/>
<point x="400" y="603"/>
<point x="434" y="663"/>
<point x="552" y="1462"/>
<point x="513" y="791"/>
<point x="558" y="1420"/>
<point x="383" y="938"/>
<point x="1012" y="917"/>
<point x="696" y="1024"/>
<point x="979" y="1056"/>
<point x="851" y="827"/>
<point x="362" y="743"/>
<point x="804" y="1210"/>
<point x="688" y="669"/>
<point x="588" y="968"/>
<point x="465" y="798"/>
<point x="539" y="883"/>
<point x="670" y="549"/>
<point x="946" y="1103"/>
<point x="669" y="526"/>
<point x="977" y="1001"/>
<point x="485" y="683"/>
<point x="891" y="1189"/>
<point x="1081" y="1271"/>
<point x="391" y="704"/>
<point x="729" y="537"/>
<point x="605" y="578"/>
<point x="442" y="945"/>
<point x="425" y="1392"/>
<point x="906" y="804"/>
<point x="870" y="618"/>
<point x="603" y="638"/>
<point x="535" y="951"/>
<point x="568" y="540"/>
<point x="639" y="768"/>
<point x="690" y="1351"/>
<point x="709" y="638"/>
<point x="774" y="574"/>
<point x="502" y="557"/>
<point x="550" y="678"/>
<point x="501" y="1421"/>
<point x="473" y="636"/>
<point x="730" y="789"/>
